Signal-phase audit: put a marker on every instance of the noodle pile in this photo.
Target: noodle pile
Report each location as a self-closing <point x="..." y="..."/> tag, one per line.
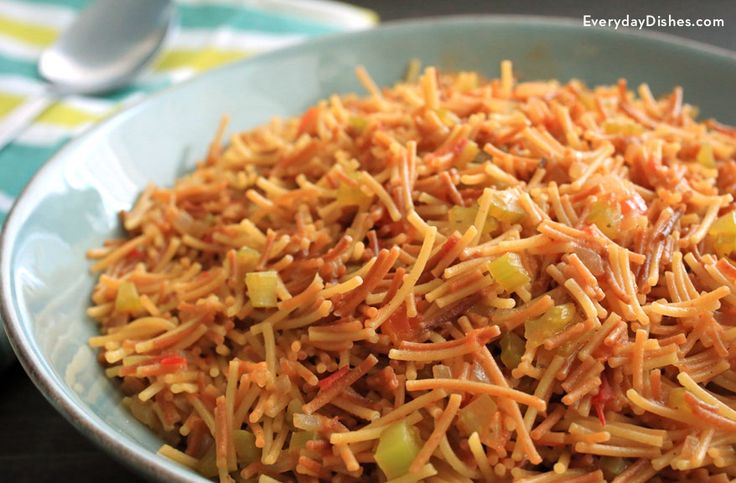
<point x="531" y="280"/>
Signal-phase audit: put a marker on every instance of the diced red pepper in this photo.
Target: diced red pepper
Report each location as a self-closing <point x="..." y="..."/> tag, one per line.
<point x="328" y="381"/>
<point x="400" y="327"/>
<point x="135" y="254"/>
<point x="308" y="123"/>
<point x="173" y="361"/>
<point x="600" y="400"/>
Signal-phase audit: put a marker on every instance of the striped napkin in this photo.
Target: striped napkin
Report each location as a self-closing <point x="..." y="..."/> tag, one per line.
<point x="208" y="33"/>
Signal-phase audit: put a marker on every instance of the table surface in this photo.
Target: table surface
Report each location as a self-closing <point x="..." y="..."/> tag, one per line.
<point x="39" y="445"/>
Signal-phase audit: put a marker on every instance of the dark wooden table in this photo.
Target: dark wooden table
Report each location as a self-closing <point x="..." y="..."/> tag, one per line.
<point x="37" y="444"/>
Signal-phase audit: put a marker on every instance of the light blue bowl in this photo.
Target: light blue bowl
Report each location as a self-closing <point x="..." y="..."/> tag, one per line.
<point x="72" y="204"/>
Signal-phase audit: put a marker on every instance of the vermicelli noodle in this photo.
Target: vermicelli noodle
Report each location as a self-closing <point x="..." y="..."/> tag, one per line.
<point x="451" y="279"/>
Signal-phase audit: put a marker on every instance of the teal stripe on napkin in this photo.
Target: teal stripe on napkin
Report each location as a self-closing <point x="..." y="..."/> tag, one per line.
<point x="245" y="18"/>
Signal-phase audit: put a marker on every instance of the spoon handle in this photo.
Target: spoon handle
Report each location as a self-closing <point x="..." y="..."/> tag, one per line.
<point x="22" y="116"/>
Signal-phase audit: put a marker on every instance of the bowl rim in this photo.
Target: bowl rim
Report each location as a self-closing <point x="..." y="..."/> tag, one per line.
<point x="138" y="459"/>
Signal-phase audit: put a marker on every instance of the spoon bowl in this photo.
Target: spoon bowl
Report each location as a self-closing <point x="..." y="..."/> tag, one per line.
<point x="106" y="46"/>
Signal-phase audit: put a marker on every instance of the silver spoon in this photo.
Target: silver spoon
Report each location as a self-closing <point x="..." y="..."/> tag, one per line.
<point x="102" y="50"/>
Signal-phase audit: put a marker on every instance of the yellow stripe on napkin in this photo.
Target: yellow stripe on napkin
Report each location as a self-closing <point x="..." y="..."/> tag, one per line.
<point x="29" y="33"/>
<point x="64" y="115"/>
<point x="196" y="59"/>
<point x="8" y="102"/>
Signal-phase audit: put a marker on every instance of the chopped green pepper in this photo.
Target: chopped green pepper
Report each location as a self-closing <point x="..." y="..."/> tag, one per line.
<point x="262" y="288"/>
<point x="512" y="348"/>
<point x="509" y="272"/>
<point x="127" y="299"/>
<point x="207" y="465"/>
<point x="505" y="206"/>
<point x="552" y="322"/>
<point x="469" y="153"/>
<point x="723" y="234"/>
<point x="358" y="123"/>
<point x="606" y="216"/>
<point x="477" y="415"/>
<point x="245" y="447"/>
<point x="612" y="466"/>
<point x="348" y="195"/>
<point x="247" y="258"/>
<point x="397" y="447"/>
<point x="462" y="217"/>
<point x="705" y="156"/>
<point x="299" y="439"/>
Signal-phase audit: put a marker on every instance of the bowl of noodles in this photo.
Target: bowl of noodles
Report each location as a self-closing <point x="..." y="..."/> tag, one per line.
<point x="472" y="249"/>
